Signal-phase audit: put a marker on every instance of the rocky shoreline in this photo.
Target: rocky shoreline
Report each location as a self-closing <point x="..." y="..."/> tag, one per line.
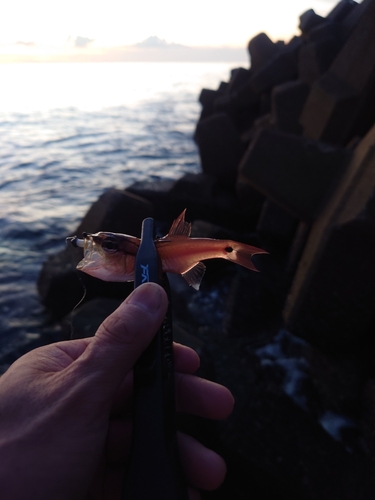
<point x="287" y="149"/>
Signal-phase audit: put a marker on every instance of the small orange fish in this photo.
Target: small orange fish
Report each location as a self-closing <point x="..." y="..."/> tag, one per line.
<point x="111" y="256"/>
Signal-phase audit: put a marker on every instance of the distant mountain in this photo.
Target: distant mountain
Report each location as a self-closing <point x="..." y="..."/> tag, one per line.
<point x="158" y="49"/>
<point x="156" y="42"/>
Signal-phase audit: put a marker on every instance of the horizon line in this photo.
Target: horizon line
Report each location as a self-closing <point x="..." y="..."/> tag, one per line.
<point x="131" y="54"/>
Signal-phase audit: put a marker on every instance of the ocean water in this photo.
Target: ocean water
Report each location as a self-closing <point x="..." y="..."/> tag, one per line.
<point x="68" y="132"/>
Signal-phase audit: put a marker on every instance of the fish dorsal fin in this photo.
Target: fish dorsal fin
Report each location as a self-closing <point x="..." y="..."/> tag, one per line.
<point x="180" y="227"/>
<point x="194" y="276"/>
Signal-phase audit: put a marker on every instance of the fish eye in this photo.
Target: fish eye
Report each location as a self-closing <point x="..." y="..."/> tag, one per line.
<point x="110" y="245"/>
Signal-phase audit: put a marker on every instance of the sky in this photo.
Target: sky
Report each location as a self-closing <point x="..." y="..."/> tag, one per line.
<point x="57" y="30"/>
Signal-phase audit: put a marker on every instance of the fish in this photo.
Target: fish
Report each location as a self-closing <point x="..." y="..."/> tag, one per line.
<point x="111" y="256"/>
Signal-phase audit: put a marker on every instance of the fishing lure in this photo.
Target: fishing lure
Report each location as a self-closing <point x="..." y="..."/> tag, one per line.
<point x="111" y="256"/>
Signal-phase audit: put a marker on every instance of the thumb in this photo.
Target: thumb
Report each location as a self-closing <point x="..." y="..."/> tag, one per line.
<point x="125" y="334"/>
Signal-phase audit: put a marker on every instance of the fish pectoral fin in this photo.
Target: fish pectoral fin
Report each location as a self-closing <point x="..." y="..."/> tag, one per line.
<point x="180" y="227"/>
<point x="194" y="276"/>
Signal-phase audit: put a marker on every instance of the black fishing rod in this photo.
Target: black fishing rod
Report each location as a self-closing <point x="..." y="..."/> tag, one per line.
<point x="154" y="470"/>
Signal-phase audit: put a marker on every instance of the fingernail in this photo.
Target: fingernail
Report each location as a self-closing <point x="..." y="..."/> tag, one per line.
<point x="147" y="296"/>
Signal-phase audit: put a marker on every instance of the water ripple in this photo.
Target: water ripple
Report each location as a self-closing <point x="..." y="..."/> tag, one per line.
<point x="56" y="160"/>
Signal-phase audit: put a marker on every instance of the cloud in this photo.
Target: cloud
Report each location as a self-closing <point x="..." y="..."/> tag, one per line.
<point x="156" y="42"/>
<point x="26" y="44"/>
<point x="82" y="42"/>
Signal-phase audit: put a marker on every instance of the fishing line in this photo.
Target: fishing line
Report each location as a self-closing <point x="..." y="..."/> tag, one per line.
<point x="69" y="321"/>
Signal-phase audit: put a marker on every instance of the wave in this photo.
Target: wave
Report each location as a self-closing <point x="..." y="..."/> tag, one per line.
<point x="56" y="160"/>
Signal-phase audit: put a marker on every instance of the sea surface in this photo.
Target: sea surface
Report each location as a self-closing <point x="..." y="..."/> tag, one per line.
<point x="68" y="132"/>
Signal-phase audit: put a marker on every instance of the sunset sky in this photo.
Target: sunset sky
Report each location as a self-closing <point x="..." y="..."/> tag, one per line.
<point x="69" y="29"/>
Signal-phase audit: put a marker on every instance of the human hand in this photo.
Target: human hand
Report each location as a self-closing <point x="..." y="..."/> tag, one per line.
<point x="65" y="424"/>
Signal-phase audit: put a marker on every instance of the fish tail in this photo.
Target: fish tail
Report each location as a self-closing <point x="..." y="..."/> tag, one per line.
<point x="241" y="254"/>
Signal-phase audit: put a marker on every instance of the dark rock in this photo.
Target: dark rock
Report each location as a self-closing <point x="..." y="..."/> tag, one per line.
<point x="340" y="104"/>
<point x="354" y="15"/>
<point x="246" y="97"/>
<point x="87" y="319"/>
<point x="206" y="199"/>
<point x="255" y="300"/>
<point x="295" y="173"/>
<point x="239" y="78"/>
<point x="197" y="189"/>
<point x="368" y="418"/>
<point x="296" y="248"/>
<point x="341" y="10"/>
<point x="277" y="227"/>
<point x="327" y="107"/>
<point x="220" y="148"/>
<point x="262" y="122"/>
<point x="281" y="68"/>
<point x="264" y="107"/>
<point x="207" y="98"/>
<point x="201" y="195"/>
<point x="242" y="107"/>
<point x="261" y="50"/>
<point x="224" y="104"/>
<point x="159" y="194"/>
<point x="245" y="104"/>
<point x="325" y="115"/>
<point x="337" y="312"/>
<point x="250" y="198"/>
<point x="291" y="418"/>
<point x="59" y="285"/>
<point x="205" y="229"/>
<point x="116" y="211"/>
<point x="326" y="30"/>
<point x="332" y="298"/>
<point x="310" y="20"/>
<point x="223" y="87"/>
<point x="288" y="100"/>
<point x="316" y="57"/>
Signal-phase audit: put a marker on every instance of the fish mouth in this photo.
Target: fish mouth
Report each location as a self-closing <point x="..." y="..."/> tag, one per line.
<point x="92" y="258"/>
